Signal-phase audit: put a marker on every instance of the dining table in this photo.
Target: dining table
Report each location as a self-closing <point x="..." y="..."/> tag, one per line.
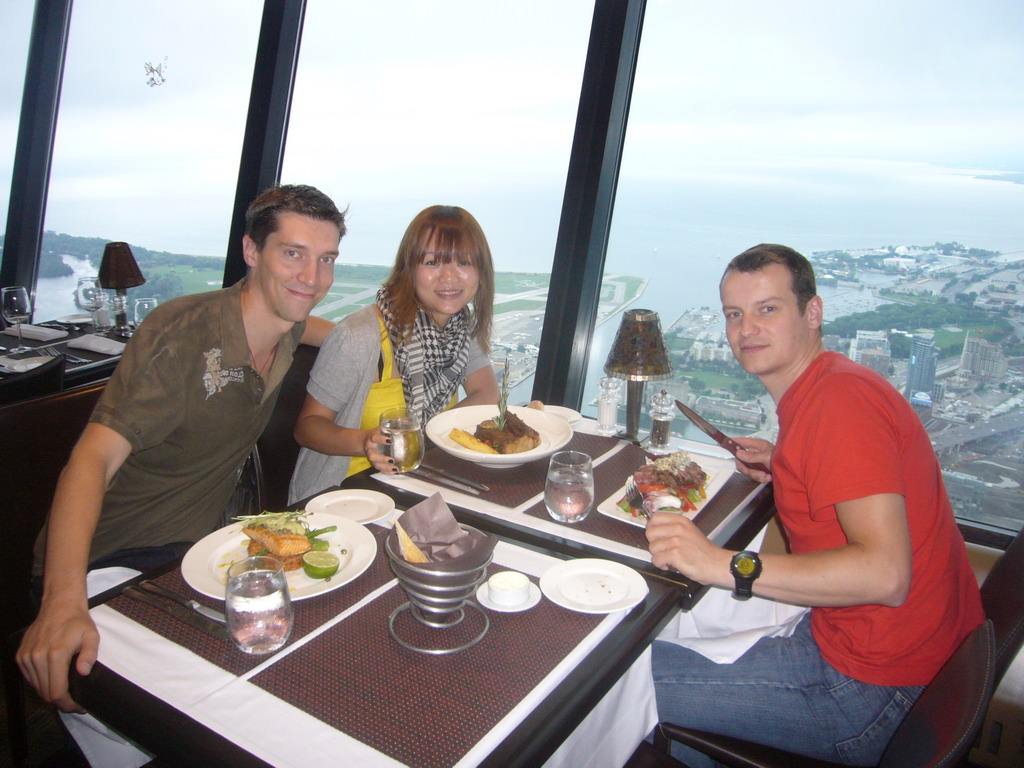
<point x="72" y="339"/>
<point x="549" y="685"/>
<point x="559" y="684"/>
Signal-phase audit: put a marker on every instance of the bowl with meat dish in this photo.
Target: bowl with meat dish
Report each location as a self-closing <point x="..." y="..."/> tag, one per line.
<point x="472" y="433"/>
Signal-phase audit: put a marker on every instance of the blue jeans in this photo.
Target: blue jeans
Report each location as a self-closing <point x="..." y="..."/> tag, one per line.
<point x="782" y="693"/>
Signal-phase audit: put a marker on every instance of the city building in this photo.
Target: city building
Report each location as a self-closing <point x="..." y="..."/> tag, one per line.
<point x="871" y="349"/>
<point x="982" y="359"/>
<point x="921" y="372"/>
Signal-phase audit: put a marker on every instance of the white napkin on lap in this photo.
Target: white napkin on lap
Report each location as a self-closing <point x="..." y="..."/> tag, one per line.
<point x="36" y="332"/>
<point x="99" y="344"/>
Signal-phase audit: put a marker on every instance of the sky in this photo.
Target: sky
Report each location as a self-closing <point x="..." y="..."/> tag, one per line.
<point x="814" y="121"/>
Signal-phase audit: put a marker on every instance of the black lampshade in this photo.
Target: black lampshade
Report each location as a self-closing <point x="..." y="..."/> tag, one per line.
<point x="118" y="270"/>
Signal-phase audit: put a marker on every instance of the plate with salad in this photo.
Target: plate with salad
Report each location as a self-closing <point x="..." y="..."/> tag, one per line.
<point x="673" y="483"/>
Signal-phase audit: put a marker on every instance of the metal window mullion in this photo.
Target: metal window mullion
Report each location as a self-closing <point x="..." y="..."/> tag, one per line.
<point x="266" y="126"/>
<point x="587" y="205"/>
<point x="33" y="154"/>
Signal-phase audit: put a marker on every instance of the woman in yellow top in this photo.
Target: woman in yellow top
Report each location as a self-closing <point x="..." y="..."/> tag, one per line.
<point x="427" y="333"/>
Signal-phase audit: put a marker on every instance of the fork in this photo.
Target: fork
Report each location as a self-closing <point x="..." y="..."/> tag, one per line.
<point x="636" y="499"/>
<point x="51" y="352"/>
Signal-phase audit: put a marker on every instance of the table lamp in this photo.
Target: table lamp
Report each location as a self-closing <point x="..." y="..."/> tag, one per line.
<point x="638" y="354"/>
<point x="118" y="270"/>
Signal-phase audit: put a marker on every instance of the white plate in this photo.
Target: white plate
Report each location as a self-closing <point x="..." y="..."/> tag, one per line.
<point x="484" y="598"/>
<point x="592" y="585"/>
<point x="74" y="319"/>
<point x="205" y="565"/>
<point x="566" y="413"/>
<point x="554" y="433"/>
<point x="610" y="505"/>
<point x="25" y="364"/>
<point x="358" y="506"/>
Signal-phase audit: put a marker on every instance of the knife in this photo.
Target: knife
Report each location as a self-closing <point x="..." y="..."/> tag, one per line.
<point x="195" y="605"/>
<point x="457" y="478"/>
<point x="719" y="437"/>
<point x="178" y="611"/>
<point x="426" y="474"/>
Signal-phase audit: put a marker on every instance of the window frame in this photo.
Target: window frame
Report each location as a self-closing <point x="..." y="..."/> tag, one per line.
<point x="588" y="199"/>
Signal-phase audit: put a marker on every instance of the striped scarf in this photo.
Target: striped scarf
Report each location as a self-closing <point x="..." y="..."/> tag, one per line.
<point x="432" y="363"/>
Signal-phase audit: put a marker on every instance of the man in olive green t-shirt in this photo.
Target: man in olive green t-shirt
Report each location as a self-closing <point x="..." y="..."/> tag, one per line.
<point x="158" y="460"/>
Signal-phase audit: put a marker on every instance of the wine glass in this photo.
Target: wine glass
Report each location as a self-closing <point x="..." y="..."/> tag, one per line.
<point x="87" y="292"/>
<point x="17" y="309"/>
<point x="142" y="308"/>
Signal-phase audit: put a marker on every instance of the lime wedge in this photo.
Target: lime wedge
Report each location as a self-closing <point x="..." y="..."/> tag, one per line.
<point x="320" y="565"/>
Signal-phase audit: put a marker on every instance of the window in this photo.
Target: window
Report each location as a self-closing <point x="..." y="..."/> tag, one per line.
<point x="399" y="106"/>
<point x="152" y="112"/>
<point x="879" y="139"/>
<point x="15" y="27"/>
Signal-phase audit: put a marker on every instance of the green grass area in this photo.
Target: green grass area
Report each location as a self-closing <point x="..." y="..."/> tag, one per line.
<point x="528" y="305"/>
<point x="945" y="339"/>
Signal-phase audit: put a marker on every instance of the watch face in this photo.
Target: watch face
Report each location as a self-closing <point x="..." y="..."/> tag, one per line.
<point x="745" y="566"/>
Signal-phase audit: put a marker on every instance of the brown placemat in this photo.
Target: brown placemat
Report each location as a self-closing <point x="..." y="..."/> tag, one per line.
<point x="512" y="486"/>
<point x="422" y="710"/>
<point x="309" y="613"/>
<point x="610" y="475"/>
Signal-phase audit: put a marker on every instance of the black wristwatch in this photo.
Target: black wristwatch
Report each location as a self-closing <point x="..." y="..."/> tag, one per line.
<point x="745" y="567"/>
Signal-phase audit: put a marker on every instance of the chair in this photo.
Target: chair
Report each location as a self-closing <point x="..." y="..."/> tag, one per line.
<point x="47" y="428"/>
<point x="1002" y="595"/>
<point x="41" y="380"/>
<point x="276" y="451"/>
<point x="938" y="731"/>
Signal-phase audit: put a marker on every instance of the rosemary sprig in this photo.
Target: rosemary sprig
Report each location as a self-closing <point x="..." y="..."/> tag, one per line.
<point x="503" y="398"/>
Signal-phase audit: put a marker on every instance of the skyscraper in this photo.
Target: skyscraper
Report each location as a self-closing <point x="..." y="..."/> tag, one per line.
<point x="921" y="372"/>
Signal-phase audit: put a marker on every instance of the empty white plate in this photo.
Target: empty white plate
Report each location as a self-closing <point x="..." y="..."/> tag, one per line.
<point x="358" y="506"/>
<point x="592" y="585"/>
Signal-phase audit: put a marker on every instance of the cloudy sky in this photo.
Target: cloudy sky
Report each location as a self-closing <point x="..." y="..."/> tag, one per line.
<point x="746" y="115"/>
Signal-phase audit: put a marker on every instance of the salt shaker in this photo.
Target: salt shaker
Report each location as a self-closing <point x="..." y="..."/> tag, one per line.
<point x="608" y="406"/>
<point x="661" y="422"/>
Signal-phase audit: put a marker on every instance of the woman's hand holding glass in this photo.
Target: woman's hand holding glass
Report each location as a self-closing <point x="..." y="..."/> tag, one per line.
<point x="375" y="449"/>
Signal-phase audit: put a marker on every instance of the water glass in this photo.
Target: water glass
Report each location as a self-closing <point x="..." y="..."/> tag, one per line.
<point x="16" y="310"/>
<point x="142" y="308"/>
<point x="258" y="605"/>
<point x="406" y="435"/>
<point x="569" y="488"/>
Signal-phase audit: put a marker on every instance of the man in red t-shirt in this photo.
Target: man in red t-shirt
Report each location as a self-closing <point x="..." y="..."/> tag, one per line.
<point x="875" y="550"/>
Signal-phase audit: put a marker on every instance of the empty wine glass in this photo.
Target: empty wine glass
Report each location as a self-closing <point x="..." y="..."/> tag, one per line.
<point x="87" y="292"/>
<point x="17" y="309"/>
<point x="142" y="308"/>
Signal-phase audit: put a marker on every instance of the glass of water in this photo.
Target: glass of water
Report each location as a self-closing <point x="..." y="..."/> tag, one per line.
<point x="569" y="488"/>
<point x="406" y="435"/>
<point x="258" y="605"/>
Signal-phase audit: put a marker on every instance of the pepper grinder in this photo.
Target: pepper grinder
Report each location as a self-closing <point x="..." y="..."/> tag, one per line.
<point x="661" y="423"/>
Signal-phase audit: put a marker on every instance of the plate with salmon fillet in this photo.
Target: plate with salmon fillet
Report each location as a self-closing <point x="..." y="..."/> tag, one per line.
<point x="205" y="565"/>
